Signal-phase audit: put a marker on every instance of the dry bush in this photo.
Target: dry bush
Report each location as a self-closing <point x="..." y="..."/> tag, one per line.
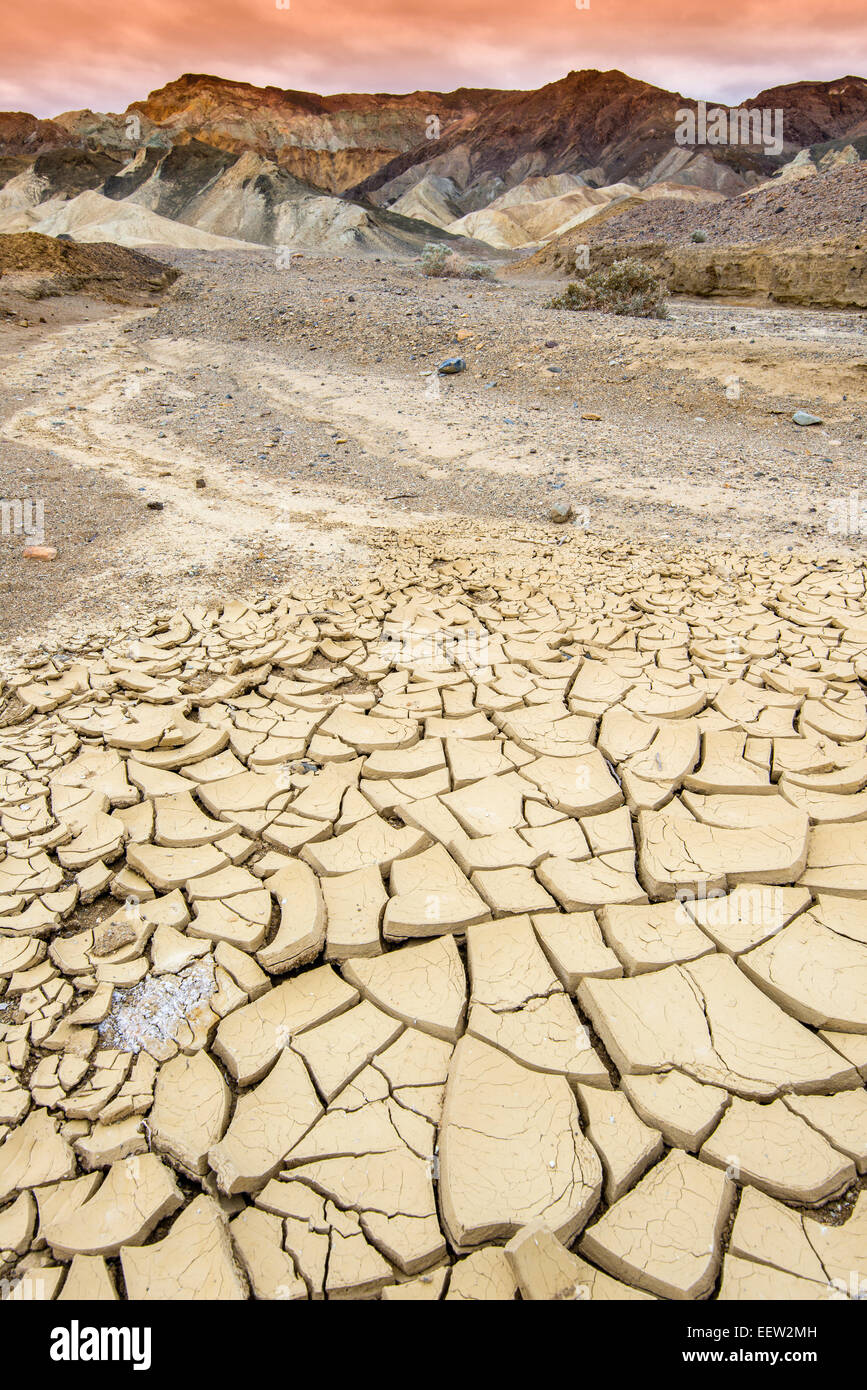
<point x="438" y="260"/>
<point x="626" y="287"/>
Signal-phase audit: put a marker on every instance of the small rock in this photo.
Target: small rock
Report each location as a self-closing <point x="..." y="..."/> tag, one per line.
<point x="451" y="366"/>
<point x="200" y="482"/>
<point x="561" y="511"/>
<point x="155" y="506"/>
<point x="39" y="552"/>
<point x="803" y="417"/>
<point x="589" y="416"/>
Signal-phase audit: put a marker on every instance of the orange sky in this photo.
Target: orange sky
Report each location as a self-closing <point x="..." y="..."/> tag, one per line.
<point x="65" y="54"/>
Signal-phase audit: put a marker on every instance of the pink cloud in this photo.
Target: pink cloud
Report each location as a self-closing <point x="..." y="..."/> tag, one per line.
<point x="63" y="56"/>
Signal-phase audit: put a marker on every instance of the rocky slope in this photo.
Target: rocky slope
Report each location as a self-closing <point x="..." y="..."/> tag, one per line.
<point x="92" y="218"/>
<point x="799" y="241"/>
<point x="824" y="206"/>
<point x="193" y="195"/>
<point x="605" y="123"/>
<point x="331" y="141"/>
<point x="509" y="169"/>
<point x="522" y="217"/>
<point x="35" y="267"/>
<point x="612" y="127"/>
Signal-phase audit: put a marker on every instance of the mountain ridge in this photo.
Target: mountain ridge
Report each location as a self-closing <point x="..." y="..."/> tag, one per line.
<point x="356" y="143"/>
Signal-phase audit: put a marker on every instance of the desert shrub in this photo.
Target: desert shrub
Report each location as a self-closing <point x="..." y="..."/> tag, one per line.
<point x="439" y="260"/>
<point x="476" y="271"/>
<point x="699" y="236"/>
<point x="627" y="287"/>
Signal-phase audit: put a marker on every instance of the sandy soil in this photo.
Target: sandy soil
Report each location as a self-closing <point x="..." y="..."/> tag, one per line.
<point x="265" y="423"/>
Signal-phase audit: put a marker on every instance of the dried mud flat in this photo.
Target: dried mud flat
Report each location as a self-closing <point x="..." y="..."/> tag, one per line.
<point x="486" y="909"/>
<point x="467" y="915"/>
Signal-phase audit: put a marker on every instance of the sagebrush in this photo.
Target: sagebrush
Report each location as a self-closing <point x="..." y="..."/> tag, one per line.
<point x="439" y="260"/>
<point x="625" y="287"/>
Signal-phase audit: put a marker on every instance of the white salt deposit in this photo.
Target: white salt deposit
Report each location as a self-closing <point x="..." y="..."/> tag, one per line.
<point x="153" y="1010"/>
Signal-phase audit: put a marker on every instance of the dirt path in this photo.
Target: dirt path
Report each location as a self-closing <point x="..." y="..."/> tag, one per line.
<point x="676" y="433"/>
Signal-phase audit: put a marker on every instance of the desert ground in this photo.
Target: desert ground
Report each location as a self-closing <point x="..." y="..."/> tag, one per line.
<point x="307" y="401"/>
<point x="405" y="894"/>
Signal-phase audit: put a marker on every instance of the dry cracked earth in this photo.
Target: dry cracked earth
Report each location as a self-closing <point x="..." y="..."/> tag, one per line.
<point x="261" y="422"/>
<point x="485" y="929"/>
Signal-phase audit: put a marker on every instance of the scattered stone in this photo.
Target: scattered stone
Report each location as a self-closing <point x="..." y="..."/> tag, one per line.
<point x="561" y="511"/>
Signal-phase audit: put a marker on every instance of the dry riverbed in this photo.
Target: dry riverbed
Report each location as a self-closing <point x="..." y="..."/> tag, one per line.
<point x="261" y="423"/>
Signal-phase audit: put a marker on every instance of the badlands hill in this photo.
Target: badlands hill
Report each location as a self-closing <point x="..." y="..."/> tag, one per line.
<point x="331" y="141"/>
<point x="34" y="267"/>
<point x="205" y="163"/>
<point x="833" y="203"/>
<point x="615" y="128"/>
<point x="198" y="197"/>
<point x="799" y="241"/>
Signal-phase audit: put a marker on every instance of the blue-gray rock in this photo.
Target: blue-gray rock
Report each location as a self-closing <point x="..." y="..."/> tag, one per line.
<point x="451" y="366"/>
<point x="803" y="417"/>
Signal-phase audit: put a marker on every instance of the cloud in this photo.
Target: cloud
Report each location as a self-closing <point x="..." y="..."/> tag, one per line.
<point x="103" y="55"/>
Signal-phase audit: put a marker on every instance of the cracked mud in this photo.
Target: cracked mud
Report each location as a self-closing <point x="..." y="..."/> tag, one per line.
<point x="494" y="927"/>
